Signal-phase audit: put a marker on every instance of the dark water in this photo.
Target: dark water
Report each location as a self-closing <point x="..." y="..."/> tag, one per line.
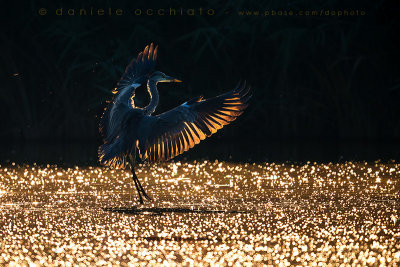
<point x="85" y="153"/>
<point x="203" y="212"/>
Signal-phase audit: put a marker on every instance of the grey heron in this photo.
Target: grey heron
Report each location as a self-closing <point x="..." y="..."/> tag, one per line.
<point x="127" y="129"/>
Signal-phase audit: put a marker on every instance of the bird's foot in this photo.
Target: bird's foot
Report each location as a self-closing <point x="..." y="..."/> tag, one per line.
<point x="143" y="197"/>
<point x="146" y="196"/>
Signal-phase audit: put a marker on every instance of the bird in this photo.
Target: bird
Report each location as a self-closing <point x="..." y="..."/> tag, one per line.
<point x="129" y="131"/>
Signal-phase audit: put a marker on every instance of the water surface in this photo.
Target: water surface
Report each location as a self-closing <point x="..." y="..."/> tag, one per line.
<point x="203" y="212"/>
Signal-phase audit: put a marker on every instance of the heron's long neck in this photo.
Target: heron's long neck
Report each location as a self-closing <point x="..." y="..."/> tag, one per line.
<point x="154" y="98"/>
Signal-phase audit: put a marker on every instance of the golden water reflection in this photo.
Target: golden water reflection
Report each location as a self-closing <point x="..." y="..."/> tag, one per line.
<point x="268" y="213"/>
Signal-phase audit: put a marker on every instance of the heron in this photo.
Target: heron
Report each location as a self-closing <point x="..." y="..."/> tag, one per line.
<point x="128" y="130"/>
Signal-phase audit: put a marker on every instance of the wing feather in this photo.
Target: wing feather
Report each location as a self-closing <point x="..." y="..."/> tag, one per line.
<point x="183" y="127"/>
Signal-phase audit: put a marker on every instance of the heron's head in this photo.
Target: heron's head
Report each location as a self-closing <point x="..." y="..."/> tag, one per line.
<point x="158" y="76"/>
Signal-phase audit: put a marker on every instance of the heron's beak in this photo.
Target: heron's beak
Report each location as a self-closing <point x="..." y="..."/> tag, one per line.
<point x="171" y="79"/>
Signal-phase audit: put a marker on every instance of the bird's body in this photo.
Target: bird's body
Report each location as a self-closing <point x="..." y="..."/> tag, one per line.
<point x="126" y="128"/>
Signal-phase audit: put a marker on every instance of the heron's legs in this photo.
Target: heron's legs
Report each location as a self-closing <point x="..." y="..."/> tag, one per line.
<point x="142" y="190"/>
<point x="138" y="185"/>
<point x="135" y="179"/>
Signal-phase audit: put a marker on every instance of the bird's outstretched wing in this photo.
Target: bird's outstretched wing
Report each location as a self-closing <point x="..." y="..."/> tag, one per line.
<point x="170" y="134"/>
<point x="136" y="73"/>
<point x="139" y="68"/>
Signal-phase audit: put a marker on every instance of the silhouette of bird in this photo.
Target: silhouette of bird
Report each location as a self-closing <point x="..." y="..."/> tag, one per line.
<point x="126" y="128"/>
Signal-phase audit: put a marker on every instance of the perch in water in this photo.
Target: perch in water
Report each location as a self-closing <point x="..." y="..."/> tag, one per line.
<point x="126" y="128"/>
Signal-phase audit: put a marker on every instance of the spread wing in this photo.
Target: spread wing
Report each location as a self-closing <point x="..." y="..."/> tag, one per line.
<point x="136" y="73"/>
<point x="139" y="68"/>
<point x="170" y="134"/>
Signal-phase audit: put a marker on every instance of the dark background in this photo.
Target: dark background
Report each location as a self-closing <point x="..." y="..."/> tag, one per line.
<point x="320" y="80"/>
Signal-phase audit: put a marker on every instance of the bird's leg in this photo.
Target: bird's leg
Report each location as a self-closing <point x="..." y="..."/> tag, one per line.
<point x="138" y="185"/>
<point x="136" y="180"/>
<point x="143" y="192"/>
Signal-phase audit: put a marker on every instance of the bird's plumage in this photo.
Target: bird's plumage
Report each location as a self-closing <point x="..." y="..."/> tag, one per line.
<point x="169" y="134"/>
<point x="126" y="128"/>
<point x="136" y="73"/>
<point x="139" y="69"/>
